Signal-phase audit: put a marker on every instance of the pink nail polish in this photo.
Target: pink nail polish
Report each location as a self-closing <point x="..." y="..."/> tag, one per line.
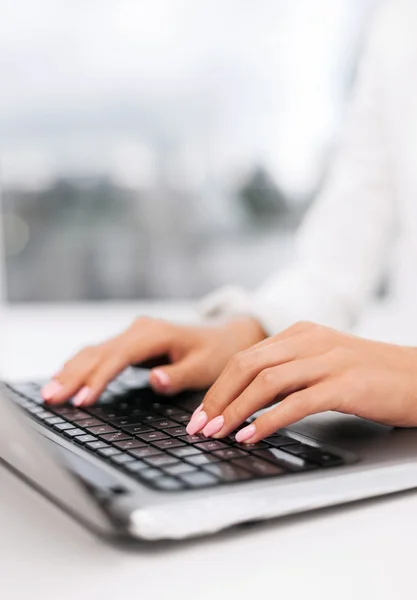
<point x="197" y="410"/>
<point x="162" y="379"/>
<point x="82" y="396"/>
<point x="51" y="389"/>
<point x="246" y="433"/>
<point x="197" y="423"/>
<point x="214" y="426"/>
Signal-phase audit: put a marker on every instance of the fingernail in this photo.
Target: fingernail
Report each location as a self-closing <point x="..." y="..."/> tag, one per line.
<point x="197" y="423"/>
<point x="213" y="426"/>
<point x="246" y="433"/>
<point x="162" y="379"/>
<point x="197" y="410"/>
<point x="82" y="396"/>
<point x="50" y="389"/>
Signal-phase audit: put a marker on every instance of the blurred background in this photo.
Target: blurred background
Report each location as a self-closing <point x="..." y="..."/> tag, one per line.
<point x="162" y="148"/>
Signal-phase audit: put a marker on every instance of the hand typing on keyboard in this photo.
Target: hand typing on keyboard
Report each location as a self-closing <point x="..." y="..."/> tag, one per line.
<point x="311" y="369"/>
<point x="197" y="356"/>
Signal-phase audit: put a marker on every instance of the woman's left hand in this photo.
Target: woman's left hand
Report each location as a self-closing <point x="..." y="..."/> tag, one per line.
<point x="310" y="369"/>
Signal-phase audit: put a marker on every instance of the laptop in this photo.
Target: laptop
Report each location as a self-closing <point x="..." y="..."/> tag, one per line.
<point x="127" y="469"/>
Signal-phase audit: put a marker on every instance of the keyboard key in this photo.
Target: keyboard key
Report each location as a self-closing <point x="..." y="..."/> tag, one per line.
<point x="179" y="469"/>
<point x="228" y="471"/>
<point x="128" y="443"/>
<point x="21" y="401"/>
<point x="150" y="474"/>
<point x="136" y="466"/>
<point x="297" y="448"/>
<point x="83" y="439"/>
<point x="202" y="459"/>
<point x="168" y="444"/>
<point x="77" y="415"/>
<point x="170" y="411"/>
<point x="177" y="431"/>
<point x="138" y="429"/>
<point x="314" y="455"/>
<point x="279" y="440"/>
<point x="167" y="483"/>
<point x="185" y="451"/>
<point x="150" y="418"/>
<point x="250" y="447"/>
<point x="143" y="452"/>
<point x="25" y="388"/>
<point x="44" y="414"/>
<point x="107" y="412"/>
<point x="73" y="432"/>
<point x="191" y="439"/>
<point x="108" y="451"/>
<point x="181" y="418"/>
<point x="285" y="460"/>
<point x="259" y="466"/>
<point x="69" y="412"/>
<point x="115" y="437"/>
<point x="102" y="429"/>
<point x="121" y="459"/>
<point x="124" y="421"/>
<point x="90" y="422"/>
<point x="54" y="421"/>
<point x="229" y="453"/>
<point x="329" y="460"/>
<point x="163" y="424"/>
<point x="152" y="436"/>
<point x="211" y="446"/>
<point x="34" y="409"/>
<point x="198" y="479"/>
<point x="161" y="460"/>
<point x="99" y="411"/>
<point x="96" y="445"/>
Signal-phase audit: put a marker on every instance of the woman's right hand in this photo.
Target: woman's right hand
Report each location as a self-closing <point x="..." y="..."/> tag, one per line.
<point x="197" y="355"/>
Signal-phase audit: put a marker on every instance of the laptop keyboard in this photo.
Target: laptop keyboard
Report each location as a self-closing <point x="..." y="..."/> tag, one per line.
<point x="147" y="439"/>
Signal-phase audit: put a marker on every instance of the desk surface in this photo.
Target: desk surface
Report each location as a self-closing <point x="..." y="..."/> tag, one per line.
<point x="362" y="551"/>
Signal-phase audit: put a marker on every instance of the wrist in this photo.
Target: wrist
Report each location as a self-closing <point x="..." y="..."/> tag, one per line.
<point x="247" y="331"/>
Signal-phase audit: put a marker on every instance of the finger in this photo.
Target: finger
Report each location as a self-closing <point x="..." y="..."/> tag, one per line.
<point x="318" y="398"/>
<point x="266" y="387"/>
<point x="146" y="340"/>
<point x="70" y="379"/>
<point x="246" y="366"/>
<point x="98" y="380"/>
<point x="189" y="373"/>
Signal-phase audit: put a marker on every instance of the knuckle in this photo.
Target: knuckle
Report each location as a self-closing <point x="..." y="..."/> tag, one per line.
<point x="335" y="355"/>
<point x="304" y="325"/>
<point x="320" y="333"/>
<point x="141" y="322"/>
<point x="299" y="402"/>
<point x="340" y="353"/>
<point x="239" y="362"/>
<point x="90" y="349"/>
<point x="268" y="378"/>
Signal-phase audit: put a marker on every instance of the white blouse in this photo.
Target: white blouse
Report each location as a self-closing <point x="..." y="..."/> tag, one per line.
<point x="364" y="222"/>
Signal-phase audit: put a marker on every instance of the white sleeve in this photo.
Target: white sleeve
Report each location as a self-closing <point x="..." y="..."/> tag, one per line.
<point x="341" y="248"/>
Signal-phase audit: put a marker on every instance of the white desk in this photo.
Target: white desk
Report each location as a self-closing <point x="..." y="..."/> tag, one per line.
<point x="363" y="551"/>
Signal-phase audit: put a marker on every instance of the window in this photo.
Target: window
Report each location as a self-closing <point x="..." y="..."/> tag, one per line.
<point x="162" y="148"/>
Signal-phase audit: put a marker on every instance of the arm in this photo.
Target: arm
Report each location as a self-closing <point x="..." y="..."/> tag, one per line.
<point x="341" y="248"/>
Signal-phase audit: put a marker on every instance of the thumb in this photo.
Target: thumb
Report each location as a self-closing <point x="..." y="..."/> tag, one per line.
<point x="189" y="373"/>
